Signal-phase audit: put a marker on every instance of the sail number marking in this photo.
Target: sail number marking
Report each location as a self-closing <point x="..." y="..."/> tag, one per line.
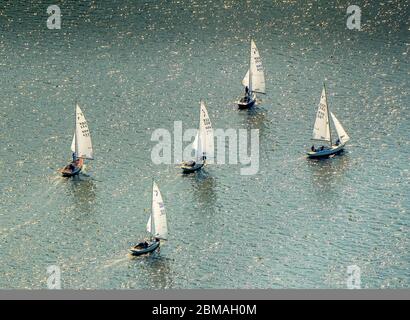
<point x="322" y="111"/>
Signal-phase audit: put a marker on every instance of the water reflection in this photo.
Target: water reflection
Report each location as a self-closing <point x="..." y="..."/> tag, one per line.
<point x="204" y="194"/>
<point x="153" y="271"/>
<point x="82" y="189"/>
<point x="328" y="173"/>
<point x="255" y="118"/>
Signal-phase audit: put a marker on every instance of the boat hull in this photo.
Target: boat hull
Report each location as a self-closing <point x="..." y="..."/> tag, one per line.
<point x="191" y="169"/>
<point x="243" y="104"/>
<point x="139" y="252"/>
<point x="67" y="173"/>
<point x="246" y="105"/>
<point x="326" y="152"/>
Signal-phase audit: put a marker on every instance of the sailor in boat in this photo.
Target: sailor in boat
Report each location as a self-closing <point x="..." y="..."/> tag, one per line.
<point x="190" y="163"/>
<point x="247" y="97"/>
<point x="72" y="165"/>
<point x="76" y="163"/>
<point x="321" y="148"/>
<point x="142" y="245"/>
<point x="146" y="244"/>
<point x="337" y="142"/>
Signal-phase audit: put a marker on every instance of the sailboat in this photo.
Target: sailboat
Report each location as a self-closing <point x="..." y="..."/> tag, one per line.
<point x="81" y="146"/>
<point x="322" y="131"/>
<point x="203" y="145"/>
<point x="254" y="81"/>
<point x="156" y="226"/>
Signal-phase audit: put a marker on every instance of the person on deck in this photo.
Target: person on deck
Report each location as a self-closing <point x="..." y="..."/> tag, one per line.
<point x="189" y="163"/>
<point x="337" y="142"/>
<point x="247" y="96"/>
<point x="71" y="167"/>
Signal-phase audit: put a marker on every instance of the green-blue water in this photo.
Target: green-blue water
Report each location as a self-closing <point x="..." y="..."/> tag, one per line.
<point x="135" y="66"/>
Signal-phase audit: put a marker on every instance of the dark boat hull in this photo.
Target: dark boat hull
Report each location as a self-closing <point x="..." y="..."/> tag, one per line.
<point x="189" y="169"/>
<point x="244" y="104"/>
<point x="334" y="150"/>
<point x="139" y="252"/>
<point x="68" y="174"/>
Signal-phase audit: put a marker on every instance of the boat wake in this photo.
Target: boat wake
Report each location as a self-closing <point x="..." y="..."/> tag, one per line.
<point x="114" y="262"/>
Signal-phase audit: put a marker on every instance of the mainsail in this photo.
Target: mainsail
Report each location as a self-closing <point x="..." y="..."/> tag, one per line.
<point x="205" y="141"/>
<point x="255" y="77"/>
<point x="157" y="223"/>
<point x="343" y="136"/>
<point x="321" y="129"/>
<point x="81" y="143"/>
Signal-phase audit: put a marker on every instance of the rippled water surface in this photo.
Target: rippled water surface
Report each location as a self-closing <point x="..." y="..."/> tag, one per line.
<point x="135" y="66"/>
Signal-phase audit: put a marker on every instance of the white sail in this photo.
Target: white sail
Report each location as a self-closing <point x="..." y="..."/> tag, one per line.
<point x="321" y="129"/>
<point x="205" y="136"/>
<point x="343" y="136"/>
<point x="73" y="144"/>
<point x="157" y="223"/>
<point x="149" y="228"/>
<point x="245" y="81"/>
<point x="255" y="77"/>
<point x="195" y="145"/>
<point x="83" y="147"/>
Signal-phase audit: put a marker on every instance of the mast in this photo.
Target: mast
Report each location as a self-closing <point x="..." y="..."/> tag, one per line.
<point x="200" y="143"/>
<point x="200" y="132"/>
<point x="328" y="116"/>
<point x="152" y="210"/>
<point x="75" y="130"/>
<point x="250" y="72"/>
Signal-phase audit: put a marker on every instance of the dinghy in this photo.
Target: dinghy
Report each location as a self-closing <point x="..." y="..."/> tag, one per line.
<point x="203" y="144"/>
<point x="322" y="131"/>
<point x="254" y="81"/>
<point x="156" y="226"/>
<point x="81" y="146"/>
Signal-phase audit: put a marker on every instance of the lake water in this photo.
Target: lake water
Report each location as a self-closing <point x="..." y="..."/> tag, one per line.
<point x="136" y="66"/>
